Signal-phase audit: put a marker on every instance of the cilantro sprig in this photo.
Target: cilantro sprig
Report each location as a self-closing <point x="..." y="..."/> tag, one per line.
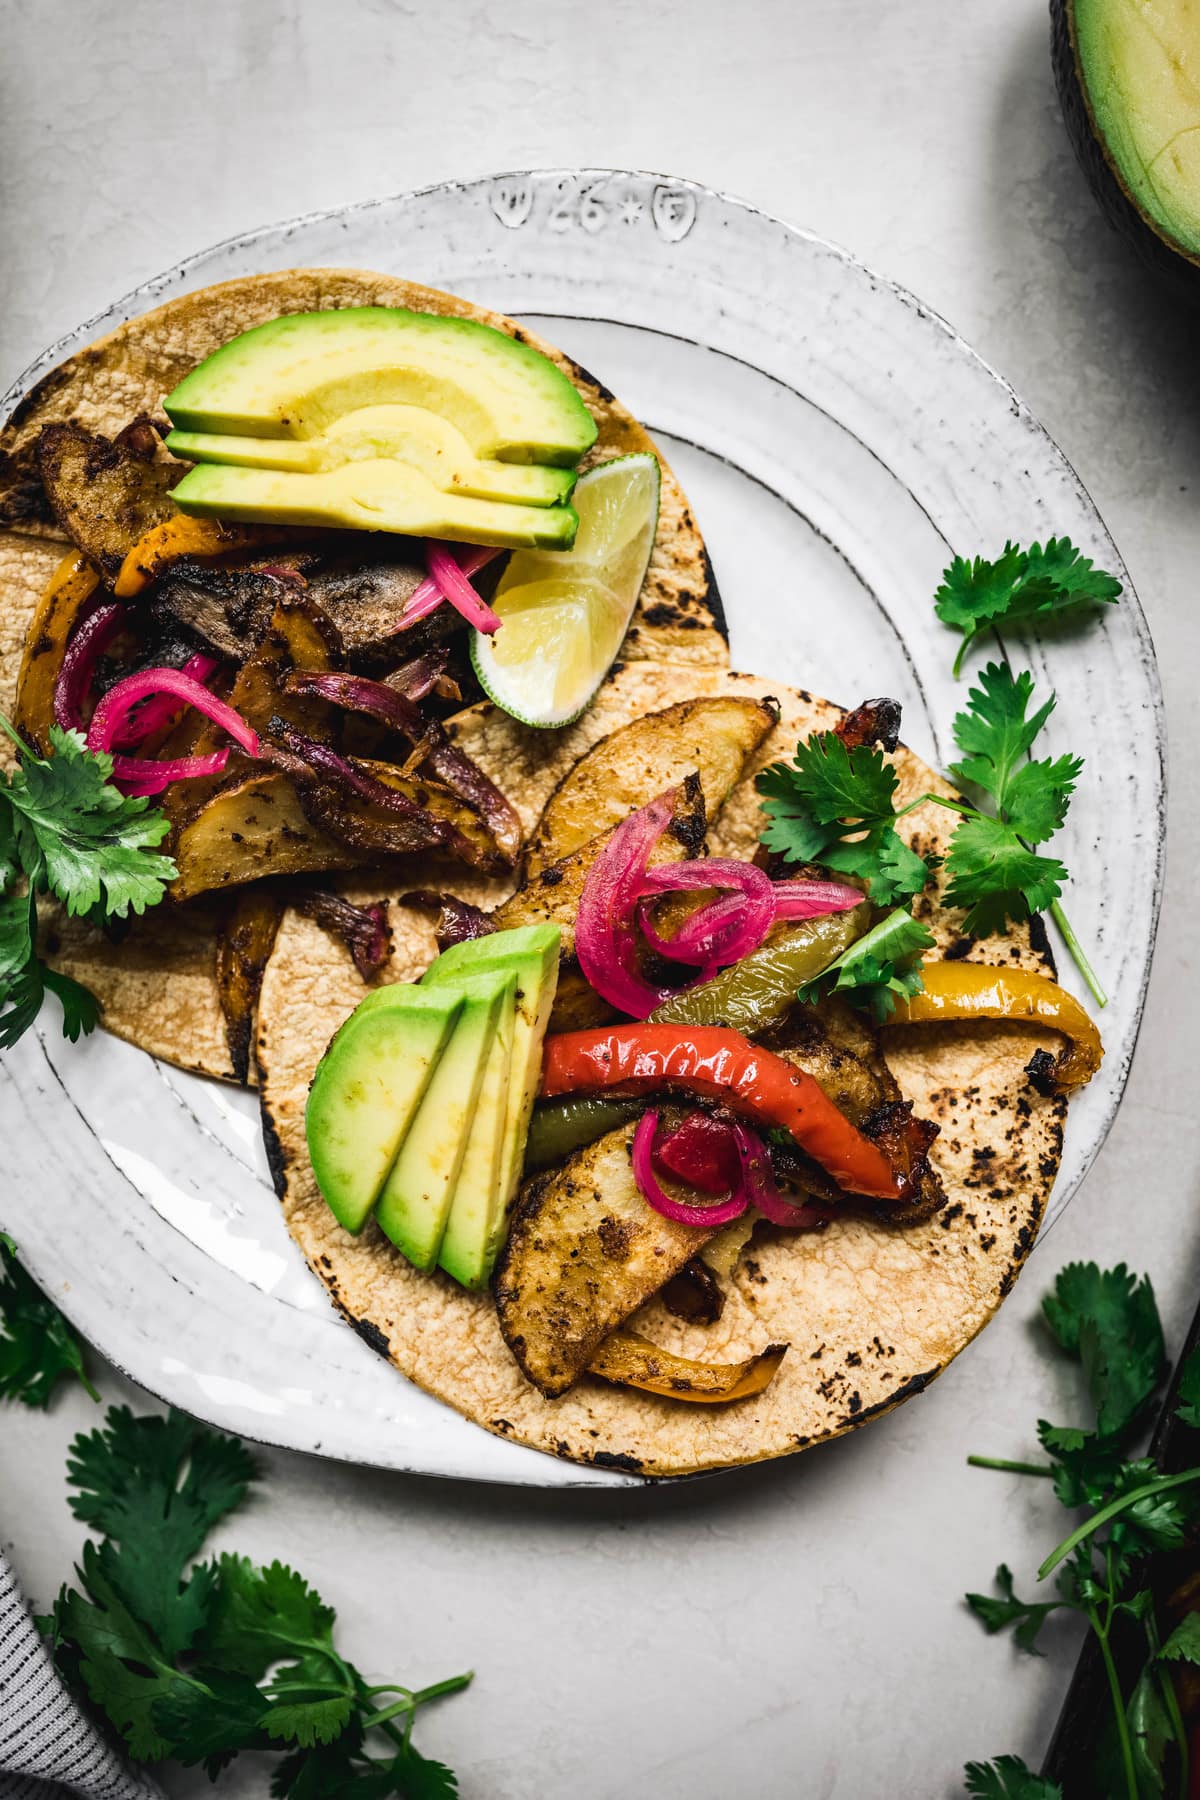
<point x="1107" y="1320"/>
<point x="836" y="807"/>
<point x="37" y="1346"/>
<point x="66" y="830"/>
<point x="977" y="596"/>
<point x="200" y="1660"/>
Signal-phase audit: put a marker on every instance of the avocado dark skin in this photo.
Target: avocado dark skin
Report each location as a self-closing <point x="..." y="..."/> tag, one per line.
<point x="1178" y="272"/>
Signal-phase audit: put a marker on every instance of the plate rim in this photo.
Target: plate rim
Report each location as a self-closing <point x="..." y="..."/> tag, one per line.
<point x="144" y="294"/>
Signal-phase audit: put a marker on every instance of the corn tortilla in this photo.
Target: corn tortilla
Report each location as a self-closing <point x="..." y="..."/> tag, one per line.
<point x="157" y="987"/>
<point x="872" y="1314"/>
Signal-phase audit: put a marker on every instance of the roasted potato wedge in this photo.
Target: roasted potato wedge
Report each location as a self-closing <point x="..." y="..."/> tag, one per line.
<point x="245" y="943"/>
<point x="552" y="897"/>
<point x="716" y="737"/>
<point x="107" y="492"/>
<point x="633" y="1361"/>
<point x="254" y="826"/>
<point x="584" y="1251"/>
<point x="68" y="597"/>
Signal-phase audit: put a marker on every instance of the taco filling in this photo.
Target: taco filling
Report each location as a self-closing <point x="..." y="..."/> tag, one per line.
<point x="623" y="1047"/>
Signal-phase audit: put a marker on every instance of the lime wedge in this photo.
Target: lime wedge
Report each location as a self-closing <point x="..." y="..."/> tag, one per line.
<point x="565" y="612"/>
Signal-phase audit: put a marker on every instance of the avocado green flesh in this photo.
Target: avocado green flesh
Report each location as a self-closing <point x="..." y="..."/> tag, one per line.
<point x="1139" y="65"/>
<point x="408" y="434"/>
<point x="379" y="495"/>
<point x="532" y="953"/>
<point x="366" y="1092"/>
<point x="294" y="376"/>
<point x="416" y="1198"/>
<point x="476" y="1221"/>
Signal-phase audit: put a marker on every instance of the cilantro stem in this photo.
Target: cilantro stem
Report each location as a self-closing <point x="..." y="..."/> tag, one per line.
<point x="411" y="1701"/>
<point x="1118" y="1702"/>
<point x="1076" y="951"/>
<point x="1011" y="1468"/>
<point x="1114" y="1508"/>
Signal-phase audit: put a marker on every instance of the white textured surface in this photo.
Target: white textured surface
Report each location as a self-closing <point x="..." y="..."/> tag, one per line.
<point x="801" y="1622"/>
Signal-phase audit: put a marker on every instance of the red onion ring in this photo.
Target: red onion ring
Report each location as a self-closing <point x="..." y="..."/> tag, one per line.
<point x="162" y="708"/>
<point x="722" y="1212"/>
<point x="814" y="899"/>
<point x="428" y="595"/>
<point x="140" y="776"/>
<point x="726" y="929"/>
<point x="458" y="590"/>
<point x="96" y="629"/>
<point x="605" y="926"/>
<point x="114" y="709"/>
<point x="758" y="1184"/>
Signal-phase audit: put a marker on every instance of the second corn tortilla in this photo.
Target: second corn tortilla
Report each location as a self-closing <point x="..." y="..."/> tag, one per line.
<point x="872" y="1314"/>
<point x="157" y="987"/>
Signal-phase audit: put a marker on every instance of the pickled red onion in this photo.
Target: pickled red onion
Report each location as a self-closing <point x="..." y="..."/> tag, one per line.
<point x="455" y="585"/>
<point x="605" y="928"/>
<point x="89" y="638"/>
<point x="137" y="775"/>
<point x="118" y="703"/>
<point x="814" y="899"/>
<point x="721" y="1212"/>
<point x="429" y="594"/>
<point x="161" y="709"/>
<point x="758" y="1183"/>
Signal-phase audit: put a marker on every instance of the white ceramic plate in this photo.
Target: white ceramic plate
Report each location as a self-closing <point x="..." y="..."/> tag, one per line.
<point x="839" y="443"/>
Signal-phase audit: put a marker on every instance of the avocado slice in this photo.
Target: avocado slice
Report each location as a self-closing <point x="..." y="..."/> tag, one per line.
<point x="410" y="434"/>
<point x="293" y="376"/>
<point x="531" y="952"/>
<point x="1129" y="82"/>
<point x="367" y="1089"/>
<point x="416" y="1197"/>
<point x="380" y="495"/>
<point x="477" y="1209"/>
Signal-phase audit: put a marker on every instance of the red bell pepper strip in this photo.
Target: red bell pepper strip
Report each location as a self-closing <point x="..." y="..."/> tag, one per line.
<point x="723" y="1065"/>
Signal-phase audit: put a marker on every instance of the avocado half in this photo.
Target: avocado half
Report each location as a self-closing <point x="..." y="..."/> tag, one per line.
<point x="1128" y="74"/>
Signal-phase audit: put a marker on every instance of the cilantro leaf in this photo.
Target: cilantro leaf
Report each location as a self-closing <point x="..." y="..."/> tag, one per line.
<point x="209" y="1716"/>
<point x="1085" y="1465"/>
<point x="837" y="807"/>
<point x="119" y="1662"/>
<point x="1008" y="1778"/>
<point x="995" y="878"/>
<point x="318" y="1719"/>
<point x="883" y="963"/>
<point x="418" y="1777"/>
<point x="10" y="860"/>
<point x="80" y="837"/>
<point x="1183" y="1645"/>
<point x="976" y="596"/>
<point x="37" y="1346"/>
<point x="1028" y="1617"/>
<point x="1188" y="1404"/>
<point x="157" y="1487"/>
<point x="1109" y="1320"/>
<point x="260" y="1615"/>
<point x="995" y="872"/>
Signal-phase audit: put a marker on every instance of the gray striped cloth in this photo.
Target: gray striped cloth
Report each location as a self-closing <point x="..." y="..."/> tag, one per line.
<point x="48" y="1749"/>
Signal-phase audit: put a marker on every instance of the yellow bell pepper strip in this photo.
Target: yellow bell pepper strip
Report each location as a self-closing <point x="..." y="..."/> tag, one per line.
<point x="633" y="1361"/>
<point x="956" y="991"/>
<point x="723" y="1065"/>
<point x="66" y="600"/>
<point x="182" y="536"/>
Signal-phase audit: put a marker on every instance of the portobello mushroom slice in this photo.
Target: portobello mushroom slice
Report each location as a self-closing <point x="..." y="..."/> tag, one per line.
<point x="106" y="493"/>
